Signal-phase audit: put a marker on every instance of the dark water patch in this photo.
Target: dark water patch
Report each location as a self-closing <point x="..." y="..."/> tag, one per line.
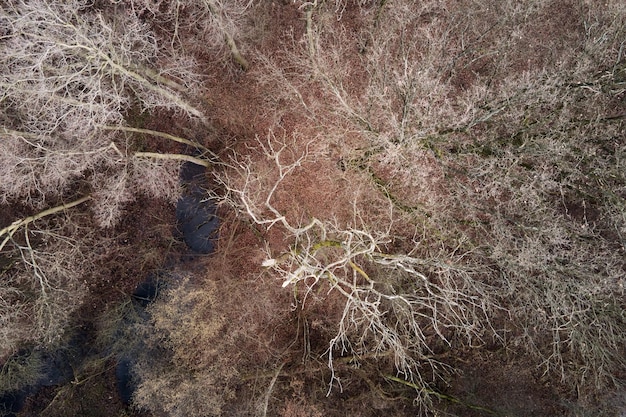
<point x="56" y="368"/>
<point x="198" y="222"/>
<point x="196" y="212"/>
<point x="147" y="291"/>
<point x="30" y="370"/>
<point x="192" y="173"/>
<point x="126" y="386"/>
<point x="12" y="402"/>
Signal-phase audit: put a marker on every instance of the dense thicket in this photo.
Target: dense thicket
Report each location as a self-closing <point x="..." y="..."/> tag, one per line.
<point x="407" y="187"/>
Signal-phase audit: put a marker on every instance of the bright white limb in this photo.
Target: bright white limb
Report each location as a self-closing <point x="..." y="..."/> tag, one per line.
<point x="390" y="305"/>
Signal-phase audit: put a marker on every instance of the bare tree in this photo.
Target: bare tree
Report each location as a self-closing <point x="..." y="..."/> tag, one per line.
<point x="390" y="299"/>
<point x="69" y="75"/>
<point x="215" y="24"/>
<point x="501" y="157"/>
<point x="45" y="282"/>
<point x="67" y="71"/>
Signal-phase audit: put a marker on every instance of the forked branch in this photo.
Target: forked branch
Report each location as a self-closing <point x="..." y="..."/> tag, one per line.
<point x="391" y="306"/>
<point x="10" y="230"/>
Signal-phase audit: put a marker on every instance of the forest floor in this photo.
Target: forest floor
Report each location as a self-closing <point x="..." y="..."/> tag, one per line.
<point x="490" y="379"/>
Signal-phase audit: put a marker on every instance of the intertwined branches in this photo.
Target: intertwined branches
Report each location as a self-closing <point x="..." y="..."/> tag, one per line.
<point x="42" y="286"/>
<point x="214" y="24"/>
<point x="69" y="72"/>
<point x="72" y="74"/>
<point x="393" y="303"/>
<point x="513" y="159"/>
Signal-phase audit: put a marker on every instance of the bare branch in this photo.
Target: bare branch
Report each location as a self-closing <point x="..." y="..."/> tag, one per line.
<point x="10" y="230"/>
<point x="174" y="156"/>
